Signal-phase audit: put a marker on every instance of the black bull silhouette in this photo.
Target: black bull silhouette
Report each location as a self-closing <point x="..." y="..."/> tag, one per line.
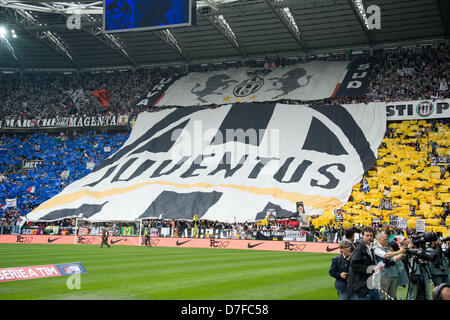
<point x="289" y="81"/>
<point x="213" y="84"/>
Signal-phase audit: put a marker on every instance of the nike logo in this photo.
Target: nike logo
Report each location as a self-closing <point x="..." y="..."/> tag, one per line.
<point x="181" y="243"/>
<point x="112" y="241"/>
<point x="253" y="245"/>
<point x="331" y="249"/>
<point x="51" y="240"/>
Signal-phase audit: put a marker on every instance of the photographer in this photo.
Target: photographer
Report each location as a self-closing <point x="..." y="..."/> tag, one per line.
<point x="401" y="264"/>
<point x="389" y="274"/>
<point x="362" y="266"/>
<point x="419" y="277"/>
<point x="439" y="267"/>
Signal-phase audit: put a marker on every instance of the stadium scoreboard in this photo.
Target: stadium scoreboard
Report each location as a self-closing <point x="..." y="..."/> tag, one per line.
<point x="141" y="15"/>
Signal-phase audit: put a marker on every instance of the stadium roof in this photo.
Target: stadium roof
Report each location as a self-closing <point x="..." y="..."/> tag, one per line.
<point x="226" y="30"/>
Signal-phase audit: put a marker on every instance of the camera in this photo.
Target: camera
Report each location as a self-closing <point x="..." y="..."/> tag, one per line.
<point x="388" y="263"/>
<point x="427" y="254"/>
<point x="419" y="240"/>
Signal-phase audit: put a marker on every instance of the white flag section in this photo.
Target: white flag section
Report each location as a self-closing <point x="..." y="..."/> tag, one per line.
<point x="232" y="163"/>
<point x="308" y="81"/>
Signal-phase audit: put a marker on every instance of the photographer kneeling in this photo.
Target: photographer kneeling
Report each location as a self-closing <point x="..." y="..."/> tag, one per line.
<point x="389" y="274"/>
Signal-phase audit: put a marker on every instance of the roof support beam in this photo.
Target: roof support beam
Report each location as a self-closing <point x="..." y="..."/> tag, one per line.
<point x="20" y="18"/>
<point x="357" y="13"/>
<point x="11" y="51"/>
<point x="55" y="6"/>
<point x="289" y="23"/>
<point x="168" y="37"/>
<point x="220" y="23"/>
<point x="112" y="41"/>
<point x="93" y="28"/>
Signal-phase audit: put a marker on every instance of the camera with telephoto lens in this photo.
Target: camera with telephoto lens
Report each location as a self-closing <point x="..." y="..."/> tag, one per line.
<point x="427" y="254"/>
<point x="420" y="240"/>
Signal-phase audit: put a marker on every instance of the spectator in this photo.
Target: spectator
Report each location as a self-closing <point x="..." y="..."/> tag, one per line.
<point x="339" y="270"/>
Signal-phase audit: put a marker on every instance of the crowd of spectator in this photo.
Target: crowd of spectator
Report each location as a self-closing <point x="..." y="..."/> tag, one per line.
<point x="52" y="95"/>
<point x="412" y="73"/>
<point x="34" y="168"/>
<point x="261" y="230"/>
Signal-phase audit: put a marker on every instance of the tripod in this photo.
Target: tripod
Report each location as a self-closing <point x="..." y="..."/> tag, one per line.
<point x="424" y="274"/>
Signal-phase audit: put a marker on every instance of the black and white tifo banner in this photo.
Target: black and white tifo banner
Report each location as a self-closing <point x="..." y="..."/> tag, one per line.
<point x="357" y="79"/>
<point x="232" y="163"/>
<point x="307" y="81"/>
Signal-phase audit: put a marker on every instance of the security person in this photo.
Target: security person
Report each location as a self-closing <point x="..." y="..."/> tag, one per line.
<point x="105" y="236"/>
<point x="195" y="220"/>
<point x="147" y="241"/>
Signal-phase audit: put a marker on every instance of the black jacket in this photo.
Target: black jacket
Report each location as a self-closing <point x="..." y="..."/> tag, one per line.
<point x="338" y="265"/>
<point x="357" y="276"/>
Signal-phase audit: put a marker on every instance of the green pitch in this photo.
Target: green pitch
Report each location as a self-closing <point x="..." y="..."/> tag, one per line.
<point x="128" y="272"/>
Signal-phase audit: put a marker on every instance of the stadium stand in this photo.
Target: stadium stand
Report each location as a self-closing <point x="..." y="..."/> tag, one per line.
<point x="410" y="179"/>
<point x="56" y="94"/>
<point x="36" y="167"/>
<point x="412" y="73"/>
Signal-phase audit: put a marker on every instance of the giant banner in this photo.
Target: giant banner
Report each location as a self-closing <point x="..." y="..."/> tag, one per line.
<point x="357" y="79"/>
<point x="309" y="81"/>
<point x="232" y="163"/>
<point x="65" y="122"/>
<point x="418" y="109"/>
